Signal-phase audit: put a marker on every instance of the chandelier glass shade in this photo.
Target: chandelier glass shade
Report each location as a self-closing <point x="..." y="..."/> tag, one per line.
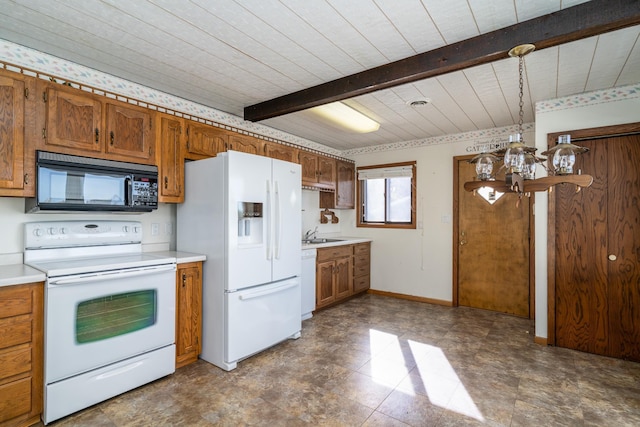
<point x="519" y="160"/>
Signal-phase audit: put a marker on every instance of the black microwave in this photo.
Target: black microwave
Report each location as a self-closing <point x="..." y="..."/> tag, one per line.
<point x="66" y="183"/>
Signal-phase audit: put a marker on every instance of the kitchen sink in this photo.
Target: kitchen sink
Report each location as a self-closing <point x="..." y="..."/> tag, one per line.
<point x="312" y="241"/>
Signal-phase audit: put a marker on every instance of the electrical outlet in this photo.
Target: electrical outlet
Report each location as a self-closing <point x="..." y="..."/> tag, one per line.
<point x="155" y="229"/>
<point x="168" y="228"/>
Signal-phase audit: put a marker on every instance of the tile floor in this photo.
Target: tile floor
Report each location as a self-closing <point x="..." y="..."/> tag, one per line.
<point x="379" y="361"/>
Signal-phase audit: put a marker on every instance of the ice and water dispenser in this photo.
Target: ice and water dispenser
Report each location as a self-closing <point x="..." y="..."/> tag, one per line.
<point x="250" y="223"/>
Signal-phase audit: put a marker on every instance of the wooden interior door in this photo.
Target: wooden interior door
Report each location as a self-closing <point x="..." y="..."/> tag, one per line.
<point x="597" y="263"/>
<point x="492" y="255"/>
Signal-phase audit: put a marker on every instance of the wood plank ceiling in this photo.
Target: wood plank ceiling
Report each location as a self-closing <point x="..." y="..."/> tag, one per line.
<point x="231" y="54"/>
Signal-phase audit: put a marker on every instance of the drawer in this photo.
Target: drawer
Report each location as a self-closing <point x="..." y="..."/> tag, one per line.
<point x="362" y="248"/>
<point x="15" y="362"/>
<point x="361" y="270"/>
<point x="15" y="330"/>
<point x="362" y="259"/>
<point x="326" y="254"/>
<point x="15" y="300"/>
<point x="15" y="399"/>
<point x="361" y="283"/>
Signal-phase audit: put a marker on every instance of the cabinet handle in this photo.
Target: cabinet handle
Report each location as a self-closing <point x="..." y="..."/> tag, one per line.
<point x="97" y="135"/>
<point x="26" y="178"/>
<point x="166" y="182"/>
<point x="111" y="136"/>
<point x="184" y="279"/>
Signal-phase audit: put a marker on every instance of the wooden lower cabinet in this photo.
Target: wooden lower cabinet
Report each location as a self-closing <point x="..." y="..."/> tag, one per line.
<point x="188" y="313"/>
<point x="21" y="354"/>
<point x="361" y="267"/>
<point x="341" y="271"/>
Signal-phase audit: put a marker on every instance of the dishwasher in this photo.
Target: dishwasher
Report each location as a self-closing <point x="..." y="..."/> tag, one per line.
<point x="308" y="277"/>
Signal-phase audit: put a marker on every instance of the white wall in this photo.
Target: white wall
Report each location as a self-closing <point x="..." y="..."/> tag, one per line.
<point x="311" y="216"/>
<point x="419" y="262"/>
<point x="597" y="109"/>
<point x="12" y="218"/>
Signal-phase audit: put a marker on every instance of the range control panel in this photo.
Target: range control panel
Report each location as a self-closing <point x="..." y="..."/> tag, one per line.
<point x="50" y="234"/>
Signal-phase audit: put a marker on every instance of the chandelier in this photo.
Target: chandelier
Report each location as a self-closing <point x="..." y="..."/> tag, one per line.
<point x="520" y="161"/>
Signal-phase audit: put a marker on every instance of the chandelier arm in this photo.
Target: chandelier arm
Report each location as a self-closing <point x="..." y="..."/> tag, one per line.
<point x="500" y="186"/>
<point x="543" y="184"/>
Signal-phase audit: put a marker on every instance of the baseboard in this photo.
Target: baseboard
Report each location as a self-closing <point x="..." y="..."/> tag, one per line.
<point x="540" y="340"/>
<point x="411" y="297"/>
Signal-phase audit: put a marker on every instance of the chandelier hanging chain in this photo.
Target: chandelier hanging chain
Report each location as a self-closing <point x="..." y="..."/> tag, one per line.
<point x="521" y="94"/>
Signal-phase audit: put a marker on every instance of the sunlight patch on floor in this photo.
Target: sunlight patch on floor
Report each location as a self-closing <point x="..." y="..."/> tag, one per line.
<point x="392" y="364"/>
<point x="442" y="385"/>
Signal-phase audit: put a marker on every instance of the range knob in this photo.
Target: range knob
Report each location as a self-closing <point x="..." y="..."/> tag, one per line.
<point x="53" y="231"/>
<point x="38" y="232"/>
<point x="136" y="230"/>
<point x="125" y="228"/>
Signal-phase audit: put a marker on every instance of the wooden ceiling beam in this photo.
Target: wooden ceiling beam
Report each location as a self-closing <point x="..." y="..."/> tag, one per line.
<point x="567" y="25"/>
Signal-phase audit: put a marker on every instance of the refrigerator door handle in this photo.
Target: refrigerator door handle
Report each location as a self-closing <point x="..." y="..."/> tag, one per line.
<point x="268" y="222"/>
<point x="259" y="294"/>
<point x="277" y="221"/>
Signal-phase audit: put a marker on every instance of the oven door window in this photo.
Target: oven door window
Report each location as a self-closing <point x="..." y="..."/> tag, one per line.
<point x="114" y="315"/>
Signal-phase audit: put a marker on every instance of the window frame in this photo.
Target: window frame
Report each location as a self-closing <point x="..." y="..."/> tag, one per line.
<point x="387" y="224"/>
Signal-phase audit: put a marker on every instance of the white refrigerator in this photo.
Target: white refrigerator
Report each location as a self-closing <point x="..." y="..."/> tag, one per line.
<point x="244" y="213"/>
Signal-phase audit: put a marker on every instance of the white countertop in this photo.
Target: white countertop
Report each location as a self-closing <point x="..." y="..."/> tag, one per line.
<point x="343" y="241"/>
<point x="17" y="274"/>
<point x="181" y="257"/>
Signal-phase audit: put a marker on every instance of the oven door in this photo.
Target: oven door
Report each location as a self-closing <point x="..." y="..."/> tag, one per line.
<point x="96" y="319"/>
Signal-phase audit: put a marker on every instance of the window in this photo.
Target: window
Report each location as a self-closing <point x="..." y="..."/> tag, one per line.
<point x="387" y="195"/>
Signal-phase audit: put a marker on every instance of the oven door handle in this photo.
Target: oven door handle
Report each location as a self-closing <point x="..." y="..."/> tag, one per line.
<point x="110" y="275"/>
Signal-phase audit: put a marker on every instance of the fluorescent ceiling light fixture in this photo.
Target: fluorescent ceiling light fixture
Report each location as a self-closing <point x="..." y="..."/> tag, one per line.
<point x="347" y="117"/>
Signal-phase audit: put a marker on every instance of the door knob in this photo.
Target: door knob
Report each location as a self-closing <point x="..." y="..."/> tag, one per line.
<point x="612" y="257"/>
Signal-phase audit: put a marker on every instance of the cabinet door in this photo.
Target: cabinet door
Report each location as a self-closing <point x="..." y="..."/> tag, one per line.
<point x="281" y="152"/>
<point x="325" y="291"/>
<point x="129" y="133"/>
<point x="73" y="120"/>
<point x="12" y="108"/>
<point x="345" y="185"/>
<point x="246" y="144"/>
<point x="326" y="172"/>
<point x="308" y="163"/>
<point x="344" y="277"/>
<point x="171" y="173"/>
<point x="188" y="313"/>
<point x="205" y="141"/>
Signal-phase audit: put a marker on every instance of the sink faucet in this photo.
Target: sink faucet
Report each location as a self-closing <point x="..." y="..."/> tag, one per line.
<point x="311" y="234"/>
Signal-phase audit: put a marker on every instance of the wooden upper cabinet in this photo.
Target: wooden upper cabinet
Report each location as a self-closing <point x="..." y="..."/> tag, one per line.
<point x="74" y="120"/>
<point x="345" y="185"/>
<point x="327" y="172"/>
<point x="128" y="132"/>
<point x="17" y="134"/>
<point x="317" y="171"/>
<point x="85" y="124"/>
<point x="246" y="144"/>
<point x="204" y="141"/>
<point x="170" y="136"/>
<point x="281" y="152"/>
